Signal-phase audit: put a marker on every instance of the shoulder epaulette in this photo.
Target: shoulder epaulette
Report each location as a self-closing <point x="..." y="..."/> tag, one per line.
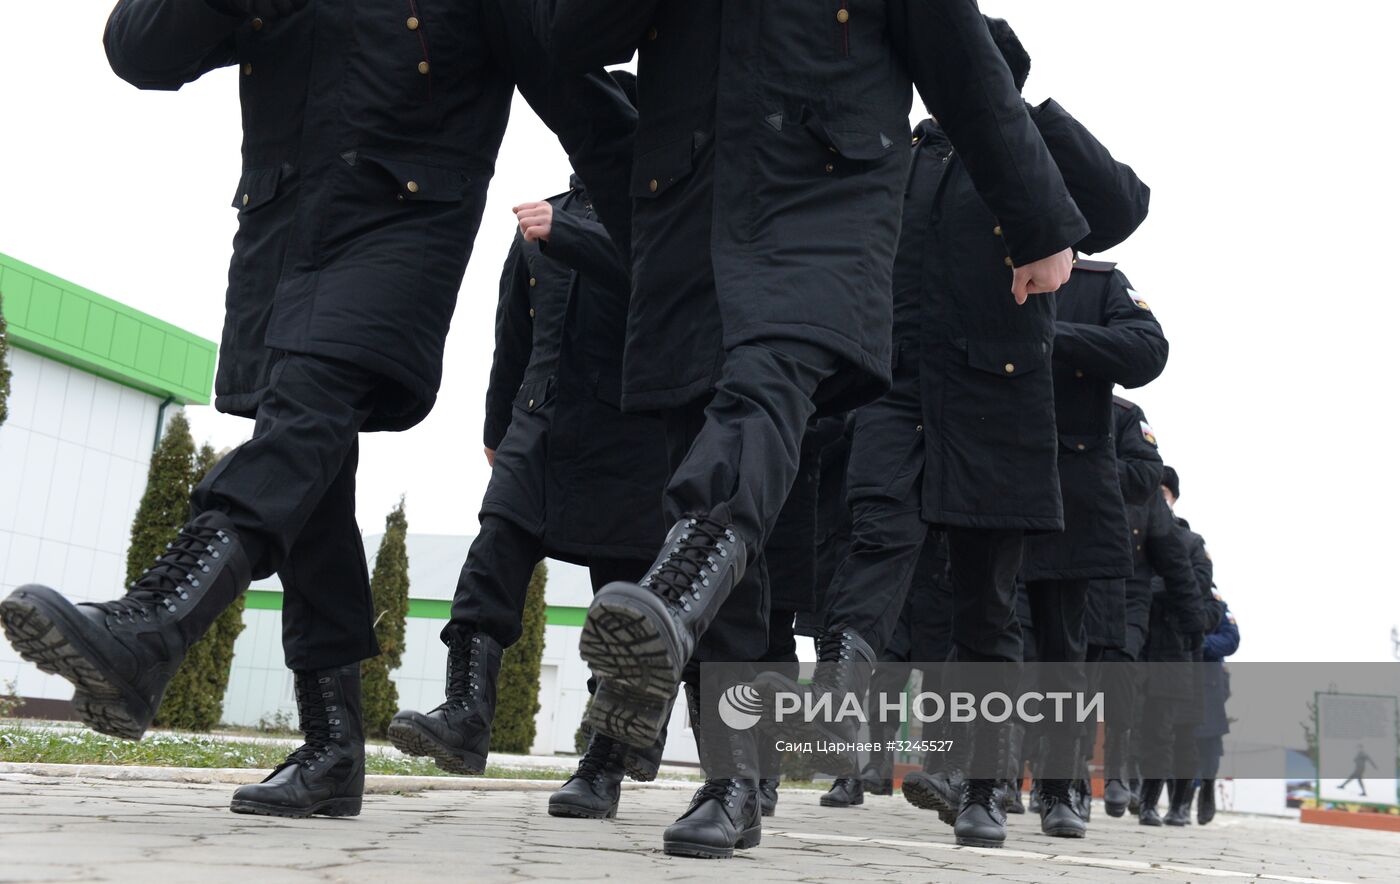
<point x="1124" y="403"/>
<point x="1095" y="266"/>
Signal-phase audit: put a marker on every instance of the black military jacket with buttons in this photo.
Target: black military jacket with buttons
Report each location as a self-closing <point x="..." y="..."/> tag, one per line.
<point x="1113" y="618"/>
<point x="370" y="132"/>
<point x="560" y="326"/>
<point x="1104" y="335"/>
<point x="982" y="361"/>
<point x="771" y="160"/>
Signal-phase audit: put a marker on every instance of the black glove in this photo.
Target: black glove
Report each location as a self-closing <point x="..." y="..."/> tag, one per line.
<point x="257" y="8"/>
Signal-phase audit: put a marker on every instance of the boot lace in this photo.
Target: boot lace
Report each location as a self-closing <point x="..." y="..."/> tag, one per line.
<point x="981" y="792"/>
<point x="687" y="567"/>
<point x="175" y="572"/>
<point x="316" y="708"/>
<point x="723" y="791"/>
<point x="464" y="678"/>
<point x="602" y="754"/>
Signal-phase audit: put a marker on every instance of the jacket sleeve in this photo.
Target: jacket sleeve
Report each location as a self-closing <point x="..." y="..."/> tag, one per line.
<point x="514" y="341"/>
<point x="1225" y="639"/>
<point x="588" y="34"/>
<point x="1139" y="461"/>
<point x="164" y="44"/>
<point x="967" y="87"/>
<point x="1201" y="565"/>
<point x="1128" y="349"/>
<point x="1109" y="193"/>
<point x="588" y="112"/>
<point x="1170" y="560"/>
<point x="583" y="245"/>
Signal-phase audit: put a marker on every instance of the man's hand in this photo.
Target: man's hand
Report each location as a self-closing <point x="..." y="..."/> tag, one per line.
<point x="1042" y="277"/>
<point x="535" y="220"/>
<point x="490" y="456"/>
<point x="258" y="8"/>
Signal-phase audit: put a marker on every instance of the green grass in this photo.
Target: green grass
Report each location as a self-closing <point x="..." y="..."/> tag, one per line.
<point x="73" y="746"/>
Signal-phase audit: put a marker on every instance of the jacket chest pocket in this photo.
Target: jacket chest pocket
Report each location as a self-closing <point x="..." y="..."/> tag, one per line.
<point x="256" y="188"/>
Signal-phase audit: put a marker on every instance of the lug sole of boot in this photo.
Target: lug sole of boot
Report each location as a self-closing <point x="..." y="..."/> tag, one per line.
<point x="969" y="841"/>
<point x="631" y="718"/>
<point x="629" y="641"/>
<point x="410" y="739"/>
<point x="39" y="626"/>
<point x="1114" y="810"/>
<point x="749" y="838"/>
<point x="1062" y="831"/>
<point x="769" y="811"/>
<point x="331" y="807"/>
<point x="926" y="798"/>
<point x="639" y="769"/>
<point x="578" y="812"/>
<point x="825" y="802"/>
<point x="1154" y="822"/>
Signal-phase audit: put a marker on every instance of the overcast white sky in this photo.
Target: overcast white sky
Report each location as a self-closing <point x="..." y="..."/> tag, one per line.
<point x="1265" y="131"/>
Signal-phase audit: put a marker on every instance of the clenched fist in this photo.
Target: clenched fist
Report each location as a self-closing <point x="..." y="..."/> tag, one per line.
<point x="1042" y="277"/>
<point x="257" y="8"/>
<point x="535" y="220"/>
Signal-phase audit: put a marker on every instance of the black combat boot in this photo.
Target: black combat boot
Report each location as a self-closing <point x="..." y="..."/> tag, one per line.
<point x="770" y="772"/>
<point x="1205" y="809"/>
<point x="120" y="655"/>
<point x="768" y="796"/>
<point x="874" y="782"/>
<point x="844" y="792"/>
<point x="326" y="775"/>
<point x="1059" y="815"/>
<point x="1179" y="814"/>
<point x="643" y="763"/>
<point x="844" y="666"/>
<point x="939" y="786"/>
<point x="639" y="636"/>
<point x="1115" y="797"/>
<point x="726" y="812"/>
<point x="457" y="734"/>
<point x="1147" y="803"/>
<point x="594" y="789"/>
<point x="1134" y="796"/>
<point x="980" y="821"/>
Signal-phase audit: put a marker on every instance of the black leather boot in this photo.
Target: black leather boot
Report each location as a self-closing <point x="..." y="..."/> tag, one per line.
<point x="845" y="662"/>
<point x="770" y="772"/>
<point x="639" y="636"/>
<point x="457" y="734"/>
<point x="1059" y="816"/>
<point x="1179" y="814"/>
<point x="1205" y="809"/>
<point x="1011" y="797"/>
<point x="939" y="786"/>
<point x="844" y="792"/>
<point x="594" y="789"/>
<point x="326" y="775"/>
<point x="875" y="782"/>
<point x="1115" y="797"/>
<point x="1147" y="803"/>
<point x="768" y="796"/>
<point x="980" y="821"/>
<point x="1134" y="796"/>
<point x="644" y="762"/>
<point x="725" y="813"/>
<point x="120" y="655"/>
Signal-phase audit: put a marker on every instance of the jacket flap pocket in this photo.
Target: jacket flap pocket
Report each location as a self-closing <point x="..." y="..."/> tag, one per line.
<point x="257" y="187"/>
<point x="1009" y="359"/>
<point x="419" y="182"/>
<point x="1073" y="443"/>
<point x="534" y="394"/>
<point x="853" y="139"/>
<point x="655" y="171"/>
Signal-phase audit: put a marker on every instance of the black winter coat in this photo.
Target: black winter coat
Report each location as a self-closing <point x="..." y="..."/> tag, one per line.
<point x="770" y="166"/>
<point x="1112" y="617"/>
<point x="1177" y="622"/>
<point x="559" y="335"/>
<point x="370" y="132"/>
<point x="983" y="361"/>
<point x="1104" y="335"/>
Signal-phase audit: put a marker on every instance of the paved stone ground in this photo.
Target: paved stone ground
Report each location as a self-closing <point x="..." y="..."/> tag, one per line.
<point x="99" y="830"/>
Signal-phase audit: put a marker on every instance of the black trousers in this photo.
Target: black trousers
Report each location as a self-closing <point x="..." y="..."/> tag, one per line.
<point x="1168" y="740"/>
<point x="290" y="493"/>
<point x="741" y="447"/>
<point x="1057" y="609"/>
<point x="1115" y="673"/>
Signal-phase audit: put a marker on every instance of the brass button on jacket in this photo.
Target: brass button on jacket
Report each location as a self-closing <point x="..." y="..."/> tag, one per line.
<point x="412" y="23"/>
<point x="422" y="67"/>
<point x="1008" y="262"/>
<point x="257" y="24"/>
<point x="652" y="185"/>
<point x="843" y="15"/>
<point x="411" y="187"/>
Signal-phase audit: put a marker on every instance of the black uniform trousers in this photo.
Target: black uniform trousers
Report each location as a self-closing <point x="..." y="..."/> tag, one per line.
<point x="1116" y="674"/>
<point x="290" y="493"/>
<point x="741" y="447"/>
<point x="1057" y="609"/>
<point x="495" y="579"/>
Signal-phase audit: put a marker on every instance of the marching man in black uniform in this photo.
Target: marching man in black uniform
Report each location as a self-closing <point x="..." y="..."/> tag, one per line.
<point x="370" y="136"/>
<point x="768" y="175"/>
<point x="1104" y="335"/>
<point x="966" y="438"/>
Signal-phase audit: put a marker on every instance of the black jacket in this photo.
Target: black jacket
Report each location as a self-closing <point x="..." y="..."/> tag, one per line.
<point x="983" y="362"/>
<point x="370" y="132"/>
<point x="1177" y="624"/>
<point x="770" y="166"/>
<point x="560" y="325"/>
<point x="1113" y="618"/>
<point x="1104" y="335"/>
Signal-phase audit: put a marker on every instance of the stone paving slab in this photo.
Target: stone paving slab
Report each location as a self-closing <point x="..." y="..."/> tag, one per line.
<point x="75" y="829"/>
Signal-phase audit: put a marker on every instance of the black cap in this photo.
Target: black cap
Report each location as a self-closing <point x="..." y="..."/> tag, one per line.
<point x="1171" y="481"/>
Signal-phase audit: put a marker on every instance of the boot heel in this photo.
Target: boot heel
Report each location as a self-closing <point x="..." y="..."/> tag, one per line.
<point x="339" y="807"/>
<point x="750" y="838"/>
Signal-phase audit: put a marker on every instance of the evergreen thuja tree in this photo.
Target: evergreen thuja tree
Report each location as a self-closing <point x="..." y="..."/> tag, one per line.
<point x="165" y="505"/>
<point x="4" y="366"/>
<point x="389" y="586"/>
<point x="518" y="689"/>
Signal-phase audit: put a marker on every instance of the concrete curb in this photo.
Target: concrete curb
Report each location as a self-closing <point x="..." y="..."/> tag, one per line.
<point x="374" y="783"/>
